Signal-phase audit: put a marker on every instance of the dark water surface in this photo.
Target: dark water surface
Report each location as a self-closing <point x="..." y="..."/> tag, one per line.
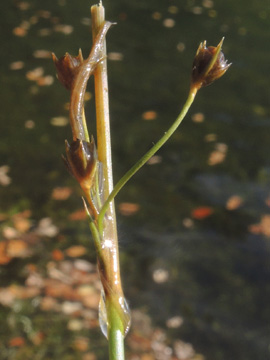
<point x="204" y="218"/>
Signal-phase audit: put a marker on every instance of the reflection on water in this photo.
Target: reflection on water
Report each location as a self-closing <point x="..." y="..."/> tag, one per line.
<point x="195" y="222"/>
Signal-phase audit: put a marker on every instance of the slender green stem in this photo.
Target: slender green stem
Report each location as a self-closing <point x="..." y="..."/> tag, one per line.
<point x="146" y="157"/>
<point x="87" y="138"/>
<point x="97" y="180"/>
<point x="94" y="230"/>
<point x="115" y="333"/>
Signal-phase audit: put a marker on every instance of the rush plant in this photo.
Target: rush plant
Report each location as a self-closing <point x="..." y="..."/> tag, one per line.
<point x="89" y="161"/>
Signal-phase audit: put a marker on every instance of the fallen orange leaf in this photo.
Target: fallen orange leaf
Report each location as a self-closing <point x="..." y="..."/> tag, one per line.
<point x="202" y="212"/>
<point x="234" y="202"/>
<point x="19" y="31"/>
<point x="267" y="201"/>
<point x="76" y="251"/>
<point x="149" y="115"/>
<point x="89" y="356"/>
<point x="35" y="74"/>
<point x="57" y="255"/>
<point x="198" y="117"/>
<point x="265" y="225"/>
<point x="3" y="216"/>
<point x="49" y="303"/>
<point x="17" y="341"/>
<point x="147" y="356"/>
<point x="61" y="193"/>
<point x="216" y="157"/>
<point x="57" y="289"/>
<point x="45" y="80"/>
<point x="78" y="215"/>
<point x="21" y="224"/>
<point x="17" y="248"/>
<point x="31" y="267"/>
<point x="127" y="209"/>
<point x="89" y="296"/>
<point x="137" y="341"/>
<point x="37" y="338"/>
<point x="81" y="343"/>
<point x="4" y="258"/>
<point x="22" y="292"/>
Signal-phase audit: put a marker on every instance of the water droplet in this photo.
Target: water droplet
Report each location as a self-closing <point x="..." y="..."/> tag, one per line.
<point x="126" y="311"/>
<point x="102" y="314"/>
<point x="103" y="318"/>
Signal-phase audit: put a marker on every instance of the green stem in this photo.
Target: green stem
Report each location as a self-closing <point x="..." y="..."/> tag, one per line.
<point x="115" y="333"/>
<point x="97" y="180"/>
<point x="94" y="230"/>
<point x="146" y="157"/>
<point x="87" y="138"/>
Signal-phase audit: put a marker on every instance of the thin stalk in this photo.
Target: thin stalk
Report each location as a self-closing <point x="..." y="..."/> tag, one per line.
<point x="93" y="229"/>
<point x="146" y="157"/>
<point x="109" y="269"/>
<point x="115" y="333"/>
<point x="87" y="138"/>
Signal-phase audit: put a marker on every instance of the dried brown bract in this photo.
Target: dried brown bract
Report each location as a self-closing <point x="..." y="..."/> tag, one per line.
<point x="67" y="68"/>
<point x="81" y="161"/>
<point x="209" y="65"/>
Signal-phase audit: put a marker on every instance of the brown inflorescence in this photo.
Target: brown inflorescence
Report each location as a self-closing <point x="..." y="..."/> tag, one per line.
<point x="209" y="65"/>
<point x="81" y="161"/>
<point x="67" y="68"/>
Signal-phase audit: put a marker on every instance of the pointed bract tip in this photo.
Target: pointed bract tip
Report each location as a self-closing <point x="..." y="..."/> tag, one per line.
<point x="221" y="42"/>
<point x="54" y="57"/>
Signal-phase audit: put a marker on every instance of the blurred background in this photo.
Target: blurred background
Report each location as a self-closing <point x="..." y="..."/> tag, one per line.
<point x="194" y="223"/>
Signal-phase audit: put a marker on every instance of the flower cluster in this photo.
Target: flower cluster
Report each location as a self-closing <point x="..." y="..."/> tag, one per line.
<point x="67" y="68"/>
<point x="81" y="161"/>
<point x="209" y="65"/>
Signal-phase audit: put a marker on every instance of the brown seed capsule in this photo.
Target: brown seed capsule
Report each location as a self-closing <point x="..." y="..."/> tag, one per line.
<point x="209" y="65"/>
<point x="81" y="161"/>
<point x="67" y="68"/>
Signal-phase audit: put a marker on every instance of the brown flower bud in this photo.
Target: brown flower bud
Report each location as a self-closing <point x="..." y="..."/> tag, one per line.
<point x="67" y="68"/>
<point x="209" y="65"/>
<point x="81" y="161"/>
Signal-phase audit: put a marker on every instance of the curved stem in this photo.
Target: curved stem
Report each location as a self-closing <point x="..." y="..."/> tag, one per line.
<point x="76" y="112"/>
<point x="146" y="157"/>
